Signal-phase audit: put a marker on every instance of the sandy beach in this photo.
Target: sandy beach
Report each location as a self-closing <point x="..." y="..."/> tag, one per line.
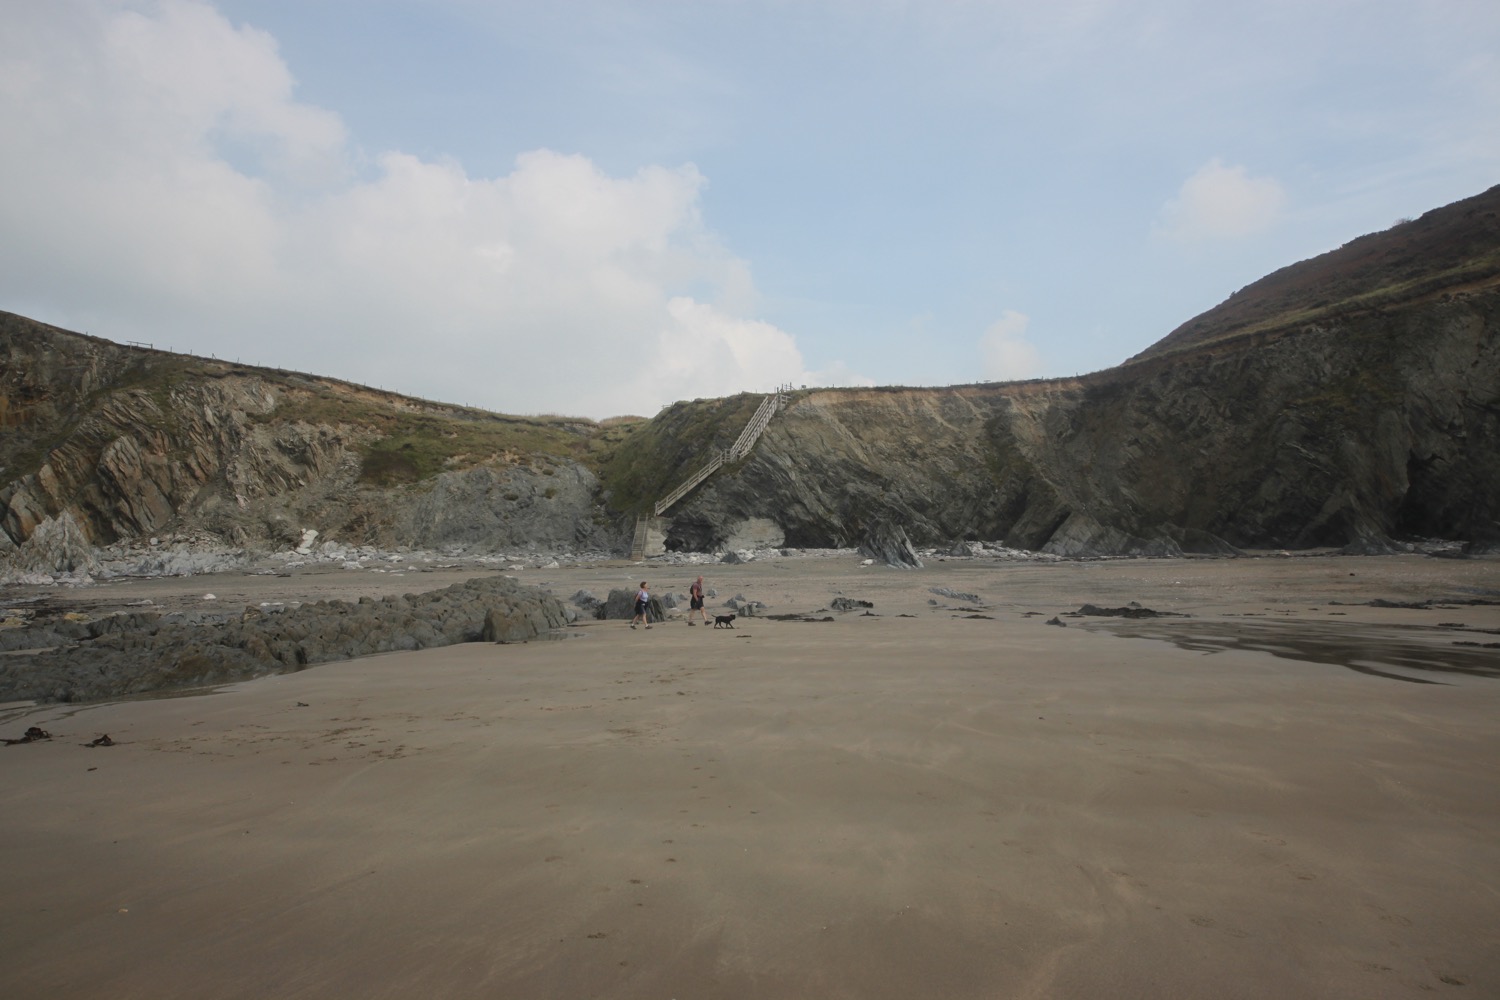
<point x="1285" y="793"/>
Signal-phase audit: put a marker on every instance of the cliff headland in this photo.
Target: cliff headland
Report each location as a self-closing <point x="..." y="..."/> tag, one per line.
<point x="1351" y="401"/>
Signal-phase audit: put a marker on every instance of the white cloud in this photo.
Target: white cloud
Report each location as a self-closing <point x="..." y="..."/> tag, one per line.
<point x="1005" y="353"/>
<point x="162" y="183"/>
<point x="1222" y="202"/>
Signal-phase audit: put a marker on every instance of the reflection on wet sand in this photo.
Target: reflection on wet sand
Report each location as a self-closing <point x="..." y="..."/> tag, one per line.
<point x="1368" y="649"/>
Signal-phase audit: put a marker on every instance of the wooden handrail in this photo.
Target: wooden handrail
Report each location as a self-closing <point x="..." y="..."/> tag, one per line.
<point x="697" y="477"/>
<point x="741" y="447"/>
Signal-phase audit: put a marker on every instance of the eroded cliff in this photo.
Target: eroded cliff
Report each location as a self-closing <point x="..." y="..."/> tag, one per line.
<point x="1368" y="412"/>
<point x="121" y="443"/>
<point x="1344" y="401"/>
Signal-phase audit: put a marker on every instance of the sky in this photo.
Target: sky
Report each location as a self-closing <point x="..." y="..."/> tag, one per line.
<point x="599" y="207"/>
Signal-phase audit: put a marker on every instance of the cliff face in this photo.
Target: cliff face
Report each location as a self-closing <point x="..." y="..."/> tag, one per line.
<point x="1344" y="401"/>
<point x="1369" y="413"/>
<point x="125" y="443"/>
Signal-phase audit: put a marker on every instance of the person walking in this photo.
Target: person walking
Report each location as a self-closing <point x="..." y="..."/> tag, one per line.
<point x="642" y="606"/>
<point x="695" y="602"/>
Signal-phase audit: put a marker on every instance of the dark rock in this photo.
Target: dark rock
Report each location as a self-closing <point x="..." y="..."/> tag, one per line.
<point x="161" y="656"/>
<point x="620" y="606"/>
<point x="1133" y="611"/>
<point x="33" y="638"/>
<point x="1082" y="536"/>
<point x="508" y="624"/>
<point x="955" y="595"/>
<point x="888" y="543"/>
<point x="134" y="621"/>
<point x="849" y="604"/>
<point x="1369" y="543"/>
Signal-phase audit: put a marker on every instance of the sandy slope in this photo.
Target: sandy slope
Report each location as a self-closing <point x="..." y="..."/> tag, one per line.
<point x="926" y="806"/>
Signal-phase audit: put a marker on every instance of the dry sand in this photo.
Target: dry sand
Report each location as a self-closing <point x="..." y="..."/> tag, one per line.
<point x="1227" y="805"/>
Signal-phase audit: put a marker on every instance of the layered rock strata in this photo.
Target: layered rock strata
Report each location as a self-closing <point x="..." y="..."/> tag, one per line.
<point x="124" y="443"/>
<point x="1349" y="401"/>
<point x="1335" y="404"/>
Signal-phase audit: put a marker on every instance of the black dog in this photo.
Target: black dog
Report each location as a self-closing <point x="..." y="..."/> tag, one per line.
<point x="724" y="621"/>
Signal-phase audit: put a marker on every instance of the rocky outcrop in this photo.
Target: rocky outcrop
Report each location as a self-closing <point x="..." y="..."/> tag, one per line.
<point x="56" y="547"/>
<point x="888" y="544"/>
<point x="620" y="606"/>
<point x="141" y="652"/>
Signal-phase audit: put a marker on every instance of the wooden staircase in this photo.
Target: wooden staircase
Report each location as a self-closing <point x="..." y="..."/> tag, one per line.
<point x="638" y="543"/>
<point x="741" y="447"/>
<point x="713" y="466"/>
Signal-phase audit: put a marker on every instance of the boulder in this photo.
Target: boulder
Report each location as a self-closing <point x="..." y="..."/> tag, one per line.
<point x="1132" y="610"/>
<point x="620" y="606"/>
<point x="586" y="602"/>
<point x="956" y="595"/>
<point x="742" y="605"/>
<point x="888" y="543"/>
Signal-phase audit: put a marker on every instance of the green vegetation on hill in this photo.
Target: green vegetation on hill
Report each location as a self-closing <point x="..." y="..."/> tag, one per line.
<point x="672" y="446"/>
<point x="410" y="444"/>
<point x="1329" y="307"/>
<point x="1449" y="250"/>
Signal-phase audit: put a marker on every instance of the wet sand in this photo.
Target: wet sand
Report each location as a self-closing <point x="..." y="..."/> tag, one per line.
<point x="1278" y="795"/>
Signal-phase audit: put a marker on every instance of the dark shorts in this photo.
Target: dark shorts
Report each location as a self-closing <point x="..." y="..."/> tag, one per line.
<point x="695" y="604"/>
<point x="640" y="607"/>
